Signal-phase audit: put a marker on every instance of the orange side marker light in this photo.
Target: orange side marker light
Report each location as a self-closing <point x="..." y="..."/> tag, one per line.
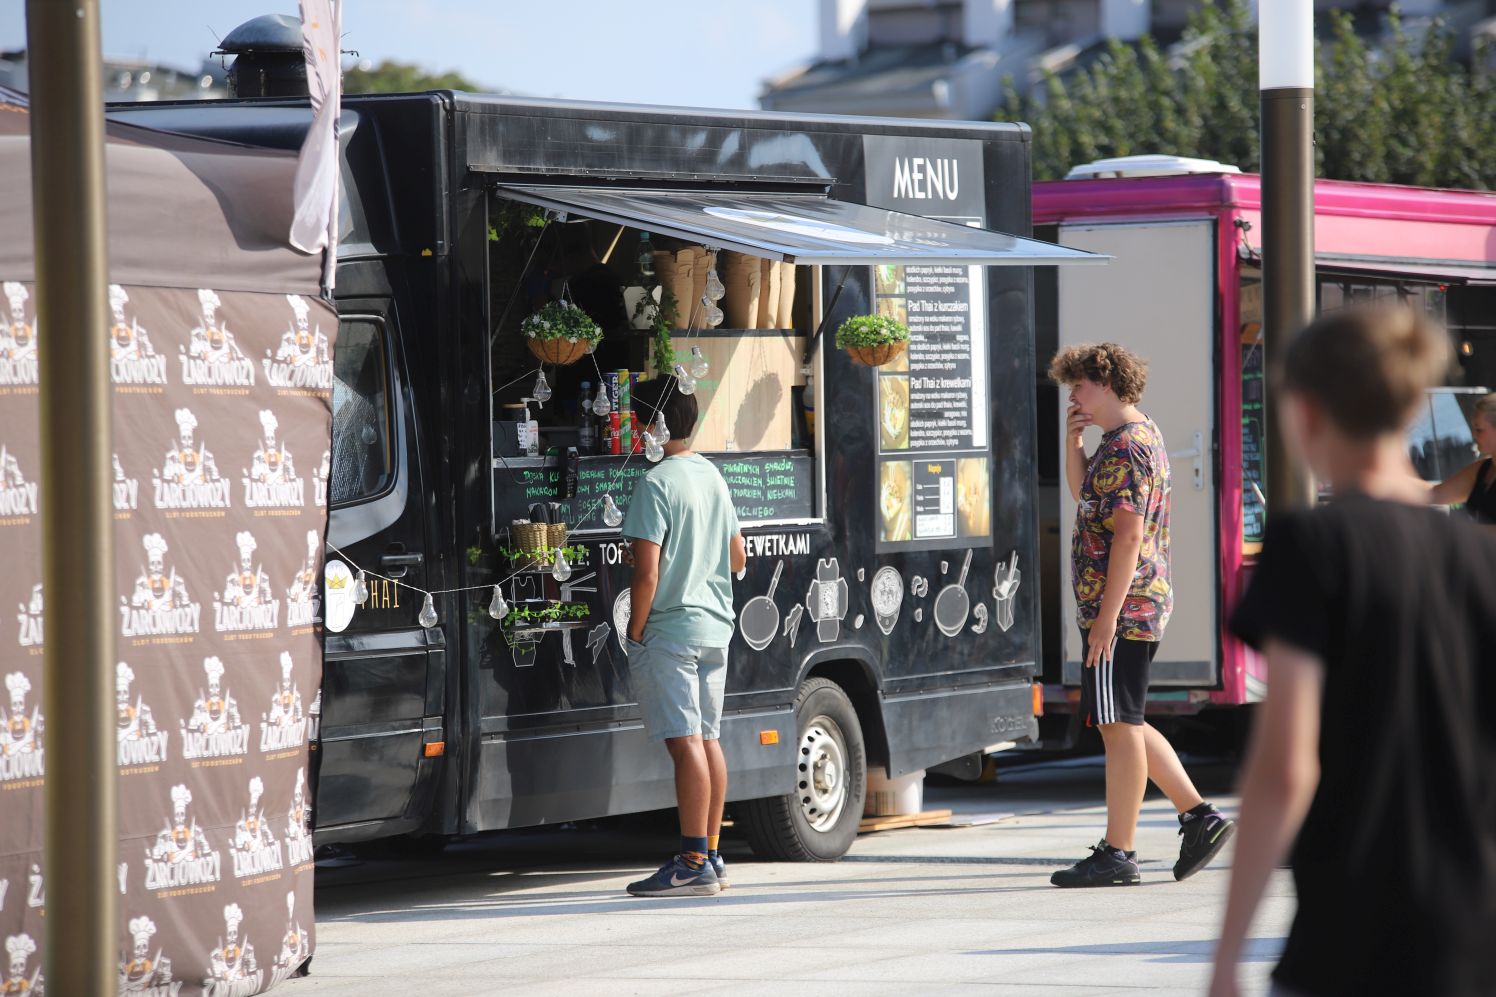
<point x="767" y="737"/>
<point x="435" y="749"/>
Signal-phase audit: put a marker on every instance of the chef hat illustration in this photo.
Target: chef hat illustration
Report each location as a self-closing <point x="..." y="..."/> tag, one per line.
<point x="290" y="904"/>
<point x="181" y="796"/>
<point x="268" y="421"/>
<point x="141" y="929"/>
<point x="123" y="676"/>
<point x="246" y="542"/>
<point x="185" y="419"/>
<point x="17" y="294"/>
<point x="286" y="665"/>
<point x="208" y="299"/>
<point x="20" y="946"/>
<point x="300" y="779"/>
<point x="233" y="916"/>
<point x="17" y="684"/>
<point x="311" y="540"/>
<point x="256" y="788"/>
<point x="117" y="297"/>
<point x="214" y="668"/>
<point x="155" y="545"/>
<point x="299" y="306"/>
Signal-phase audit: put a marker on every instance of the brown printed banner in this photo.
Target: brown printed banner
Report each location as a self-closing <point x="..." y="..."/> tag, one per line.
<point x="222" y="420"/>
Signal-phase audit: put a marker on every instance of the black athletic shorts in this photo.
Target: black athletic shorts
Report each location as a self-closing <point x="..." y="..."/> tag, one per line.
<point x="1116" y="691"/>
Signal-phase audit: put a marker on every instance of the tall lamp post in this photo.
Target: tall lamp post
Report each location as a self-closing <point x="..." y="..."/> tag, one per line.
<point x="67" y="189"/>
<point x="1285" y="60"/>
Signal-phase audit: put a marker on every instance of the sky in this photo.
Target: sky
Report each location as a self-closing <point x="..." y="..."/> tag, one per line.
<point x="705" y="53"/>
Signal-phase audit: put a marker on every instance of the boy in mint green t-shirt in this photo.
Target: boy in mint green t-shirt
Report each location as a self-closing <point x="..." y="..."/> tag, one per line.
<point x="685" y="547"/>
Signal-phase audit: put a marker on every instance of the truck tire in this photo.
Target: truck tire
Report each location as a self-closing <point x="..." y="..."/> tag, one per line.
<point x="818" y="821"/>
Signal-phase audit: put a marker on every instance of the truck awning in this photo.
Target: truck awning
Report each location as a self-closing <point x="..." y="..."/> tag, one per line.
<point x="1422" y="271"/>
<point x="800" y="228"/>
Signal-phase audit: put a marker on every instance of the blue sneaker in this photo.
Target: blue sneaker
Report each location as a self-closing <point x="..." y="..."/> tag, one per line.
<point x="676" y="879"/>
<point x="720" y="868"/>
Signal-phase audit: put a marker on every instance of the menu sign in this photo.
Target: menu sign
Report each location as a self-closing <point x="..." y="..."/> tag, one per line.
<point x="934" y="469"/>
<point x="764" y="487"/>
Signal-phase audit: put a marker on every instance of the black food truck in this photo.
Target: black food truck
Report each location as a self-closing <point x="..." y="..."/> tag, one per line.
<point x="889" y="512"/>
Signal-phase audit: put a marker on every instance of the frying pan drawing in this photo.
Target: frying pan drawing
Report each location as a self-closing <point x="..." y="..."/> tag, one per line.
<point x="953" y="604"/>
<point x="759" y="620"/>
<point x="792" y="623"/>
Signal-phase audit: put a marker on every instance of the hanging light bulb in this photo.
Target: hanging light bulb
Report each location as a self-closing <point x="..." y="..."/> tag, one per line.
<point x="361" y="588"/>
<point x="612" y="515"/>
<point x="542" y="388"/>
<point x="497" y="607"/>
<point x="660" y="431"/>
<point x="427" y="618"/>
<point x="561" y="567"/>
<point x="715" y="289"/>
<point x="653" y="451"/>
<point x="684" y="382"/>
<point x="600" y="405"/>
<point x="711" y="315"/>
<point x="700" y="367"/>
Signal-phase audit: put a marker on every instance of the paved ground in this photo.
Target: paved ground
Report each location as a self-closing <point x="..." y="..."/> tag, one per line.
<point x="929" y="911"/>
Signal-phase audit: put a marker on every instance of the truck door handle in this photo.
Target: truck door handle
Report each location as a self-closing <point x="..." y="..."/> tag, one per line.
<point x="1197" y="453"/>
<point x="396" y="565"/>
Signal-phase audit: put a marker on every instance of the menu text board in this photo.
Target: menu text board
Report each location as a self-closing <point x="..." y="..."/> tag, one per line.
<point x="765" y="487"/>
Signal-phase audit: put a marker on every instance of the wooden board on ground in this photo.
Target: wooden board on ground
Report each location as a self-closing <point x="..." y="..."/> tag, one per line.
<point x="923" y="819"/>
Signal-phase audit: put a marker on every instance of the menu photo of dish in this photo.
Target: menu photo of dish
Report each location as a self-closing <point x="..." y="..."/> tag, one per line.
<point x="898" y="310"/>
<point x="893" y="412"/>
<point x="896" y="501"/>
<point x="973" y="497"/>
<point x="890" y="279"/>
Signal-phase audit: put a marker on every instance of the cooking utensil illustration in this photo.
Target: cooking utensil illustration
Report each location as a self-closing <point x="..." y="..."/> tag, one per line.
<point x="792" y="623"/>
<point x="1007" y="578"/>
<point x="597" y="640"/>
<point x="827" y="600"/>
<point x="980" y="612"/>
<point x="759" y="620"/>
<point x="623" y="611"/>
<point x="953" y="604"/>
<point x="887" y="595"/>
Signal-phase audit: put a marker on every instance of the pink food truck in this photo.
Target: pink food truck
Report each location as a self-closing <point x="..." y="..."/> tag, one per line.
<point x="1185" y="289"/>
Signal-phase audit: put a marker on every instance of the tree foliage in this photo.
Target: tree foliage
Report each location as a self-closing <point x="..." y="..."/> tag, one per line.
<point x="1406" y="112"/>
<point x="402" y="77"/>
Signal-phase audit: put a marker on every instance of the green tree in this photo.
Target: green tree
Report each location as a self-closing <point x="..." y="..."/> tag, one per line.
<point x="403" y="77"/>
<point x="1405" y="113"/>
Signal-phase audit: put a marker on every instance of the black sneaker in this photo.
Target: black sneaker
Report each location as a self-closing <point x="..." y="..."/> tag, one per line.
<point x="1204" y="836"/>
<point x="1105" y="866"/>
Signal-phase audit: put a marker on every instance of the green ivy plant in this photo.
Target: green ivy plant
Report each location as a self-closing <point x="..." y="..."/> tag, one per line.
<point x="665" y="314"/>
<point x="870" y="330"/>
<point x="512" y="216"/>
<point x="540" y="553"/>
<point x="562" y="320"/>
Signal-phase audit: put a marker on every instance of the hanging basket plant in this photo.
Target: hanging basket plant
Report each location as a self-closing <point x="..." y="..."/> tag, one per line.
<point x="872" y="340"/>
<point x="560" y="333"/>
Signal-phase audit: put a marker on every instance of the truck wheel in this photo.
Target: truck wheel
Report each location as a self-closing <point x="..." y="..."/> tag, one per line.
<point x="818" y="821"/>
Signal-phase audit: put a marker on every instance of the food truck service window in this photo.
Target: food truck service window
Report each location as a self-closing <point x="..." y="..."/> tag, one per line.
<point x="643" y="265"/>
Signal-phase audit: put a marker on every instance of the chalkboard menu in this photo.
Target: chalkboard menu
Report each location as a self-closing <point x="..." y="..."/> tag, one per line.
<point x="764" y="486"/>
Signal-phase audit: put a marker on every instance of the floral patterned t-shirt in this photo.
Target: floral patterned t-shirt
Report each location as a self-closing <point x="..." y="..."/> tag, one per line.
<point x="1129" y="471"/>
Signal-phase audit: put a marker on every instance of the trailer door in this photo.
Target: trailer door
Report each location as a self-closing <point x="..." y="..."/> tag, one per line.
<point x="1157" y="298"/>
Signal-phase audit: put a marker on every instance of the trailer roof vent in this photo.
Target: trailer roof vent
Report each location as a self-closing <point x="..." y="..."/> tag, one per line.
<point x="268" y="59"/>
<point x="1147" y="166"/>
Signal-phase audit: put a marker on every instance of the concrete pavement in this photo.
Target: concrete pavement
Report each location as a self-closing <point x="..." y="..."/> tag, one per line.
<point x="924" y="911"/>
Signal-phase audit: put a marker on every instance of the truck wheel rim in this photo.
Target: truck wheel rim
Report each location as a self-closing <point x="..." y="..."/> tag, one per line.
<point x="822" y="778"/>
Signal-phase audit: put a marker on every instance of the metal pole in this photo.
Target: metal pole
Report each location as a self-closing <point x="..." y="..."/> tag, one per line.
<point x="1286" y="67"/>
<point x="67" y="182"/>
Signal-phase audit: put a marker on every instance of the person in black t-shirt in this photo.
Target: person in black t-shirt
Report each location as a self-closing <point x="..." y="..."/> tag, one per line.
<point x="1376" y="741"/>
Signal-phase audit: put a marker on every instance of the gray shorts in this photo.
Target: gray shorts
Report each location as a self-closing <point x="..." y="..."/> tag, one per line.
<point x="679" y="686"/>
